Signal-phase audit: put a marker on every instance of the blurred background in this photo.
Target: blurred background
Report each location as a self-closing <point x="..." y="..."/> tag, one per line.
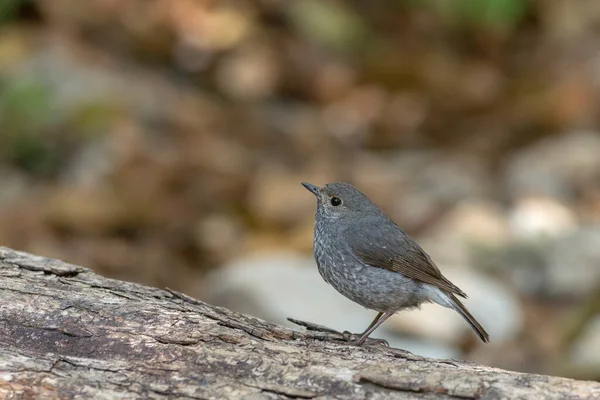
<point x="164" y="142"/>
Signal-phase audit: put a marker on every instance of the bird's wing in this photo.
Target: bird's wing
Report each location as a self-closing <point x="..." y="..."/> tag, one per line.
<point x="402" y="255"/>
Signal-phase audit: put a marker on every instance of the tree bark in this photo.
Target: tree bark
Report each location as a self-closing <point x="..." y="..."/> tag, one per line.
<point x="66" y="332"/>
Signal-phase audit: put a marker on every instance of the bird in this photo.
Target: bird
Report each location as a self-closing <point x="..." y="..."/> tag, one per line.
<point x="370" y="260"/>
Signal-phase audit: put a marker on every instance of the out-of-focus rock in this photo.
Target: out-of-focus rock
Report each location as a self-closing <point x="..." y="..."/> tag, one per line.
<point x="209" y="28"/>
<point x="585" y="352"/>
<point x="471" y="224"/>
<point x="91" y="165"/>
<point x="541" y="218"/>
<point x="573" y="264"/>
<point x="496" y="308"/>
<point x="249" y="74"/>
<point x="566" y="267"/>
<point x="276" y="286"/>
<point x="220" y="235"/>
<point x="524" y="263"/>
<point x="557" y="167"/>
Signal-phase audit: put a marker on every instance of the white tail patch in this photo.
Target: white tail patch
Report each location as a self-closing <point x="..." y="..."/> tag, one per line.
<point x="438" y="296"/>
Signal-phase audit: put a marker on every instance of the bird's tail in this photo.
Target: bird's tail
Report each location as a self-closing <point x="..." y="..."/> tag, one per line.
<point x="462" y="310"/>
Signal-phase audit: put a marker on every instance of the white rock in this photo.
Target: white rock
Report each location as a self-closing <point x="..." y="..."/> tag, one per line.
<point x="250" y="73"/>
<point x="524" y="264"/>
<point x="541" y="217"/>
<point x="555" y="167"/>
<point x="573" y="264"/>
<point x="471" y="223"/>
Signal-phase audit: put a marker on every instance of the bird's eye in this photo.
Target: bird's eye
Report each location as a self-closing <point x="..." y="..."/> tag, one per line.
<point x="336" y="201"/>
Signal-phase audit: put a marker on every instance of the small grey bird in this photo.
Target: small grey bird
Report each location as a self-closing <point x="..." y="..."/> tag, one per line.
<point x="369" y="259"/>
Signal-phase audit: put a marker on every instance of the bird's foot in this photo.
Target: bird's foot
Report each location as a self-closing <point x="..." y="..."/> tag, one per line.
<point x="332" y="334"/>
<point x="358" y="340"/>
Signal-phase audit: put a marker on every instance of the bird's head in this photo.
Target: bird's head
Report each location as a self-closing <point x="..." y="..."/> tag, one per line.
<point x="341" y="200"/>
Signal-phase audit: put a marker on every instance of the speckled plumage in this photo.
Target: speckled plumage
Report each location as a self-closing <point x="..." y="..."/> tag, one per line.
<point x="366" y="257"/>
<point x="374" y="288"/>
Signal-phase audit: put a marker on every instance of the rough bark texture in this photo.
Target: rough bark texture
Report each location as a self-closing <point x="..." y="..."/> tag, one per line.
<point x="66" y="332"/>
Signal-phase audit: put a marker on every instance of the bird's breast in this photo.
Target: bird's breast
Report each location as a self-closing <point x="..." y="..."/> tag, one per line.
<point x="335" y="260"/>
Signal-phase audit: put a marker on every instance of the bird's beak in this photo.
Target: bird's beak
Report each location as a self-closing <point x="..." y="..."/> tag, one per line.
<point x="312" y="188"/>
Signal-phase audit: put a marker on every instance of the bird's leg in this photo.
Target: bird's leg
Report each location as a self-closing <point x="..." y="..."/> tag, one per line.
<point x="348" y="335"/>
<point x="380" y="319"/>
<point x="379" y="314"/>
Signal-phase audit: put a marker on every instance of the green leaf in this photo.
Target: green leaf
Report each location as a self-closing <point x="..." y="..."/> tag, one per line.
<point x="492" y="13"/>
<point x="330" y="23"/>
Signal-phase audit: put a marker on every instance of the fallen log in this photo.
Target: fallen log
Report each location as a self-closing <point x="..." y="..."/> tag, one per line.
<point x="66" y="332"/>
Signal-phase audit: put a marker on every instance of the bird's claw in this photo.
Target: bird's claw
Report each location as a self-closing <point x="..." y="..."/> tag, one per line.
<point x="355" y="340"/>
<point x="349" y="336"/>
